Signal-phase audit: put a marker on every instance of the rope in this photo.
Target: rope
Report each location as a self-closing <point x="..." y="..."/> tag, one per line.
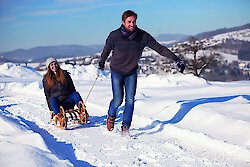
<point x="91" y="88"/>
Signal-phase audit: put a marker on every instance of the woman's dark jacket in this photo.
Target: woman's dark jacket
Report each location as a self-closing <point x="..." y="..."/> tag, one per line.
<point x="126" y="51"/>
<point x="59" y="90"/>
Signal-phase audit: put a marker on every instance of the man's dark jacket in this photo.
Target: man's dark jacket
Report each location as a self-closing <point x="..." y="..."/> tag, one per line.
<point x="126" y="52"/>
<point x="59" y="90"/>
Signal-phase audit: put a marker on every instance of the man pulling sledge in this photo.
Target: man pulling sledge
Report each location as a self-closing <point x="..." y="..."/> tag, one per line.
<point x="126" y="44"/>
<point x="62" y="96"/>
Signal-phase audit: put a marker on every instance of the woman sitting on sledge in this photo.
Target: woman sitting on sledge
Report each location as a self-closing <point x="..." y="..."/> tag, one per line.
<point x="59" y="90"/>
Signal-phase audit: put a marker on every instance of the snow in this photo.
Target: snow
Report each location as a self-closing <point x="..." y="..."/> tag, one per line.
<point x="179" y="120"/>
<point x="229" y="57"/>
<point x="243" y="35"/>
<point x="167" y="42"/>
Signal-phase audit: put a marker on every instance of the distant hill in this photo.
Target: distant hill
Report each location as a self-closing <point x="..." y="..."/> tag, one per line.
<point x="204" y="35"/>
<point x="38" y="54"/>
<point x="235" y="40"/>
<point x="210" y="34"/>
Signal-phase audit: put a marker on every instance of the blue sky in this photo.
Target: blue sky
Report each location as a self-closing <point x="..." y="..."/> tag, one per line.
<point x="29" y="23"/>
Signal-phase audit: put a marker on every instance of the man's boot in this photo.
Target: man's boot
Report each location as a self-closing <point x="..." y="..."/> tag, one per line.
<point x="110" y="123"/>
<point x="125" y="130"/>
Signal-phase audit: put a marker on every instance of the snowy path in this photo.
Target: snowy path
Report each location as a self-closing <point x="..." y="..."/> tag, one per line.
<point x="155" y="139"/>
<point x="179" y="120"/>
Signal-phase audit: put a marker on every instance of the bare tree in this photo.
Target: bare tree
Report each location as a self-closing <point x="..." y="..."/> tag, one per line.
<point x="197" y="55"/>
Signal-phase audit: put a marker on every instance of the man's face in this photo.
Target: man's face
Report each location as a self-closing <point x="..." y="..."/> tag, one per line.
<point x="130" y="23"/>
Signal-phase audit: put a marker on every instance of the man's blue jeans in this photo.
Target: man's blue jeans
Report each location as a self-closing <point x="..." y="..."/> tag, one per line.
<point x="119" y="83"/>
<point x="72" y="100"/>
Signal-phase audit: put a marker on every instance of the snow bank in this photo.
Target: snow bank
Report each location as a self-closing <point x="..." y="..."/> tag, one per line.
<point x="21" y="146"/>
<point x="14" y="71"/>
<point x="215" y="116"/>
<point x="89" y="72"/>
<point x="27" y="80"/>
<point x="25" y="76"/>
<point x="32" y="88"/>
<point x="169" y="80"/>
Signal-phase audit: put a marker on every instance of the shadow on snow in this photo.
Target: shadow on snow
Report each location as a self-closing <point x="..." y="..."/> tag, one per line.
<point x="62" y="150"/>
<point x="186" y="106"/>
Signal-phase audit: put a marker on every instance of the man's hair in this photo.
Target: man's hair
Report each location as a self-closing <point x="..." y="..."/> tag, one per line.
<point x="127" y="14"/>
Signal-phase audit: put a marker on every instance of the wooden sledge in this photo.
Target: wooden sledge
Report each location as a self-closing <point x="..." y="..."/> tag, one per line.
<point x="74" y="116"/>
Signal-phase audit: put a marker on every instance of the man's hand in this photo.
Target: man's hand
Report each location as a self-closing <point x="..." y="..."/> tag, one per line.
<point x="101" y="66"/>
<point x="180" y="65"/>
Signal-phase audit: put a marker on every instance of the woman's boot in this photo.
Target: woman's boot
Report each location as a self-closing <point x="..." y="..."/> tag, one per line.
<point x="83" y="112"/>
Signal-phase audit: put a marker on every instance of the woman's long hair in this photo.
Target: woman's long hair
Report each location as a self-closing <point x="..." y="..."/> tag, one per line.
<point x="51" y="77"/>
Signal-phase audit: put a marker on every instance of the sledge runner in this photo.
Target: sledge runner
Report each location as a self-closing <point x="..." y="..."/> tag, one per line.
<point x="62" y="96"/>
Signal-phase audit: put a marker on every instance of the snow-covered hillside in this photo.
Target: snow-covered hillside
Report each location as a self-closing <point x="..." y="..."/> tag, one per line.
<point x="179" y="120"/>
<point x="227" y="45"/>
<point x="242" y="35"/>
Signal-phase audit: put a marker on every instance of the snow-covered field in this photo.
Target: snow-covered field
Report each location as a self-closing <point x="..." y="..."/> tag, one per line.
<point x="179" y="120"/>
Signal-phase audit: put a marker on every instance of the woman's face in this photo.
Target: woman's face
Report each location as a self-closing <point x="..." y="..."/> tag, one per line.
<point x="53" y="66"/>
<point x="130" y="23"/>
